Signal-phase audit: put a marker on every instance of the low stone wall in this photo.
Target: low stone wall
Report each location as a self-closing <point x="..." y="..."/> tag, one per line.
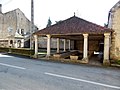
<point x="64" y="60"/>
<point x="74" y="57"/>
<point x="3" y="43"/>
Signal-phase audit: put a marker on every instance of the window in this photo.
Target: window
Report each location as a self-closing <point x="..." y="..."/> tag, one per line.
<point x="18" y="31"/>
<point x="11" y="41"/>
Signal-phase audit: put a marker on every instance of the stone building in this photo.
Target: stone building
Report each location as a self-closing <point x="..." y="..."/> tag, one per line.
<point x="14" y="29"/>
<point x="84" y="38"/>
<point x="114" y="23"/>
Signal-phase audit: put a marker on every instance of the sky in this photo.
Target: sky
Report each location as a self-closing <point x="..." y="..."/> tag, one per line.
<point x="95" y="11"/>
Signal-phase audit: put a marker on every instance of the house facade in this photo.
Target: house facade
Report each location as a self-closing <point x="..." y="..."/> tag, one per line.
<point x="14" y="28"/>
<point x="114" y="23"/>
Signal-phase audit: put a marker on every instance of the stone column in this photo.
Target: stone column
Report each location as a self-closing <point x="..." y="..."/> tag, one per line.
<point x="48" y="45"/>
<point x="22" y="43"/>
<point x="85" y="48"/>
<point x="16" y="44"/>
<point x="9" y="45"/>
<point x="69" y="44"/>
<point x="36" y="46"/>
<point x="58" y="45"/>
<point x="8" y="42"/>
<point x="106" y="49"/>
<point x="64" y="45"/>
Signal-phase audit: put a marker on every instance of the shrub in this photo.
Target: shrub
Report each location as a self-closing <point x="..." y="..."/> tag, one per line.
<point x="115" y="62"/>
<point x="22" y="51"/>
<point x="4" y="49"/>
<point x="118" y="61"/>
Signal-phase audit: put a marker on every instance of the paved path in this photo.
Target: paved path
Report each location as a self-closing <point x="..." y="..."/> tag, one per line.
<point x="29" y="74"/>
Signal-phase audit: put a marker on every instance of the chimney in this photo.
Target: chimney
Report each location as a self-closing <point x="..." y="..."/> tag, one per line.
<point x="0" y="8"/>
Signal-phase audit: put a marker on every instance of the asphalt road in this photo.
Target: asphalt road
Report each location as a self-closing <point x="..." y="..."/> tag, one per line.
<point x="28" y="74"/>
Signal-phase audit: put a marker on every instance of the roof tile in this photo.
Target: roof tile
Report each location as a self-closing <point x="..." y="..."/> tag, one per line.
<point x="74" y="25"/>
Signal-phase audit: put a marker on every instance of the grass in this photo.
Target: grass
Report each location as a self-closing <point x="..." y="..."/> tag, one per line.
<point x="118" y="62"/>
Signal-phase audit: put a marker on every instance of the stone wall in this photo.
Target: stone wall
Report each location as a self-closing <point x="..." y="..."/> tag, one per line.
<point x="3" y="43"/>
<point x="92" y="46"/>
<point x="15" y="20"/>
<point x="12" y="22"/>
<point x="22" y="22"/>
<point x="1" y="25"/>
<point x="9" y="24"/>
<point x="43" y="43"/>
<point x="115" y="44"/>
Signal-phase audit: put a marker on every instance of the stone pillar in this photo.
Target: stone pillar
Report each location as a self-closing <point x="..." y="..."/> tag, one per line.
<point x="36" y="46"/>
<point x="8" y="42"/>
<point x="48" y="45"/>
<point x="13" y="44"/>
<point x="22" y="43"/>
<point x="69" y="44"/>
<point x="58" y="45"/>
<point x="64" y="45"/>
<point x="106" y="49"/>
<point x="9" y="45"/>
<point x="16" y="44"/>
<point x="85" y="48"/>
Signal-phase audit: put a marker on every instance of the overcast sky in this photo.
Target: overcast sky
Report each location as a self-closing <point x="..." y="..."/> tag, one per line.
<point x="95" y="11"/>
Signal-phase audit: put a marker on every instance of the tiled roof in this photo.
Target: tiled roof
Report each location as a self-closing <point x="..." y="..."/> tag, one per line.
<point x="74" y="25"/>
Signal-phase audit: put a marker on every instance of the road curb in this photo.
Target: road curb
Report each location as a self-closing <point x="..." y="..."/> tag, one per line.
<point x="115" y="65"/>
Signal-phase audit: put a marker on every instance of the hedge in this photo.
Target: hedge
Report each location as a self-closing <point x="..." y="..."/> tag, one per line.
<point x="4" y="49"/>
<point x="20" y="51"/>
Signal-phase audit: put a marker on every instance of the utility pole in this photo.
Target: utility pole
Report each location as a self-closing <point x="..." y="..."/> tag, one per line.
<point x="32" y="22"/>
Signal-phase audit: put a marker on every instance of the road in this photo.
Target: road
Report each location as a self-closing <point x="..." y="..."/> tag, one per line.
<point x="18" y="73"/>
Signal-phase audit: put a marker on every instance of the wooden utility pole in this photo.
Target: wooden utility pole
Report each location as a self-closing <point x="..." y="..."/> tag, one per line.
<point x="32" y="23"/>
